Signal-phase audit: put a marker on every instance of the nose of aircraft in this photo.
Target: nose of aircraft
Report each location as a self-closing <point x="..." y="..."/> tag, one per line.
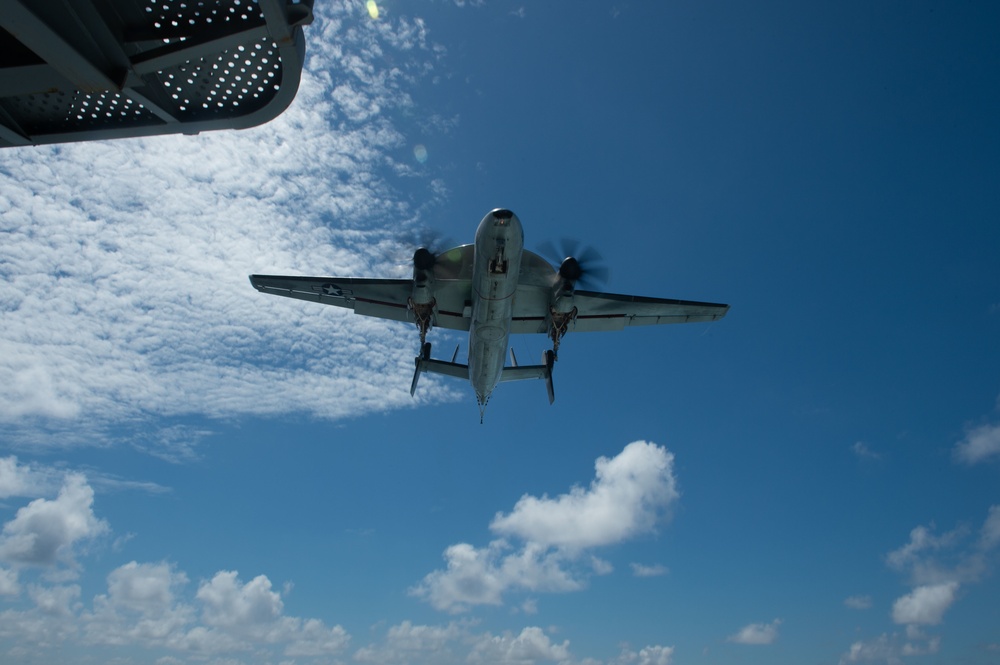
<point x="500" y="223"/>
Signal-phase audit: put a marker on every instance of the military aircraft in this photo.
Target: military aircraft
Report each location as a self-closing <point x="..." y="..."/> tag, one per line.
<point x="491" y="288"/>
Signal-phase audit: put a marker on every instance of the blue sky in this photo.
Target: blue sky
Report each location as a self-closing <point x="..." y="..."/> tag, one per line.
<point x="191" y="471"/>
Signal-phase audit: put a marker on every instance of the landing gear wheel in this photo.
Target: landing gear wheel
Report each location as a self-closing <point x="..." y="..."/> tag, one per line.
<point x="425" y="351"/>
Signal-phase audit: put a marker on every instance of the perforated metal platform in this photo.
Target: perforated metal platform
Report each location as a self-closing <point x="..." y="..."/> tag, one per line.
<point x="78" y="70"/>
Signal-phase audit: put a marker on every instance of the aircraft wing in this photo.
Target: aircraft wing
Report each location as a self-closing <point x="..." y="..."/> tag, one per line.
<point x="382" y="298"/>
<point x="611" y="311"/>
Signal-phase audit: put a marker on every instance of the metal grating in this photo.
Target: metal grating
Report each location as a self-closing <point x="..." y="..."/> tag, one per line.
<point x="75" y="70"/>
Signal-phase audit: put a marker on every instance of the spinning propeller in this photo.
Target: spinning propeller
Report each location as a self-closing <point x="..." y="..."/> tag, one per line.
<point x="579" y="264"/>
<point x="424" y="259"/>
<point x="415" y="248"/>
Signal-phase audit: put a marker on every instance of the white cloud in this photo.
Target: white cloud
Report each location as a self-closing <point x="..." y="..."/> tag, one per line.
<point x="938" y="566"/>
<point x="532" y="645"/>
<point x="980" y="444"/>
<point x="8" y="582"/>
<point x="951" y="557"/>
<point x="44" y="532"/>
<point x="140" y="607"/>
<point x="25" y="480"/>
<point x="630" y="494"/>
<point x="891" y="649"/>
<point x="55" y="600"/>
<point x="480" y="576"/>
<point x="144" y="607"/>
<point x="656" y="570"/>
<point x="756" y="633"/>
<point x="227" y="603"/>
<point x="925" y="605"/>
<point x="861" y="449"/>
<point x="145" y="588"/>
<point x="989" y="535"/>
<point x="123" y="271"/>
<point x="858" y="602"/>
<point x="880" y="649"/>
<point x="648" y="655"/>
<point x="407" y="641"/>
<point x="457" y="642"/>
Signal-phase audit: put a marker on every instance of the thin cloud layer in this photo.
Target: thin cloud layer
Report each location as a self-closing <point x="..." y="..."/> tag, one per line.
<point x="858" y="602"/>
<point x="641" y="570"/>
<point x="630" y="494"/>
<point x="124" y="265"/>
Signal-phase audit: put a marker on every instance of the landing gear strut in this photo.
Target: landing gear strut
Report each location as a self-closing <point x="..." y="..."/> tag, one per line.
<point x="560" y="324"/>
<point x="422" y="313"/>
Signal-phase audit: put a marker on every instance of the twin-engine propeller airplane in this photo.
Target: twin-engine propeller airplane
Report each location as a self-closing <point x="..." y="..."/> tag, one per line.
<point x="491" y="288"/>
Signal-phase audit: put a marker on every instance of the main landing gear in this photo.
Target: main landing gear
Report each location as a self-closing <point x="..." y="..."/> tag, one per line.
<point x="559" y="327"/>
<point x="422" y="313"/>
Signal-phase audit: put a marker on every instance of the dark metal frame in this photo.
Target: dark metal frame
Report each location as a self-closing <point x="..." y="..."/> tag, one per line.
<point x="80" y="70"/>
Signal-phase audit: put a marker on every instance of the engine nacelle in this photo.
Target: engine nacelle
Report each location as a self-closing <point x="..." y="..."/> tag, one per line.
<point x="423" y="277"/>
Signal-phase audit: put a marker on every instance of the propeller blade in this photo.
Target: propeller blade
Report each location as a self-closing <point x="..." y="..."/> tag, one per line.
<point x="578" y="263"/>
<point x="416" y="248"/>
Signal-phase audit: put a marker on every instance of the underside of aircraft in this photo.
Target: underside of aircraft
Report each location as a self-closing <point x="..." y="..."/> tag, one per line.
<point x="491" y="288"/>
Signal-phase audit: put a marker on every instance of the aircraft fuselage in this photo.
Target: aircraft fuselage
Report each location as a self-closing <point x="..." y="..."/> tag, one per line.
<point x="498" y="247"/>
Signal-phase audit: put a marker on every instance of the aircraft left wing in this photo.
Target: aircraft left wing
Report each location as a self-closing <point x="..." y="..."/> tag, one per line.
<point x="382" y="298"/>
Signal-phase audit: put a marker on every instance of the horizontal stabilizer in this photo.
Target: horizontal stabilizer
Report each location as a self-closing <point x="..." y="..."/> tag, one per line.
<point x="458" y="370"/>
<point x="525" y="372"/>
<point x="424" y="363"/>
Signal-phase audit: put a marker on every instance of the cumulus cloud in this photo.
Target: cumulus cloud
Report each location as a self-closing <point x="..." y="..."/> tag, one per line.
<point x="531" y="645"/>
<point x="406" y="641"/>
<point x="458" y="642"/>
<point x="139" y="608"/>
<point x="979" y="445"/>
<point x="630" y="494"/>
<point x="480" y="576"/>
<point x="154" y="609"/>
<point x="648" y="655"/>
<point x="44" y="532"/>
<point x="123" y="271"/>
<point x="756" y="633"/>
<point x="146" y="606"/>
